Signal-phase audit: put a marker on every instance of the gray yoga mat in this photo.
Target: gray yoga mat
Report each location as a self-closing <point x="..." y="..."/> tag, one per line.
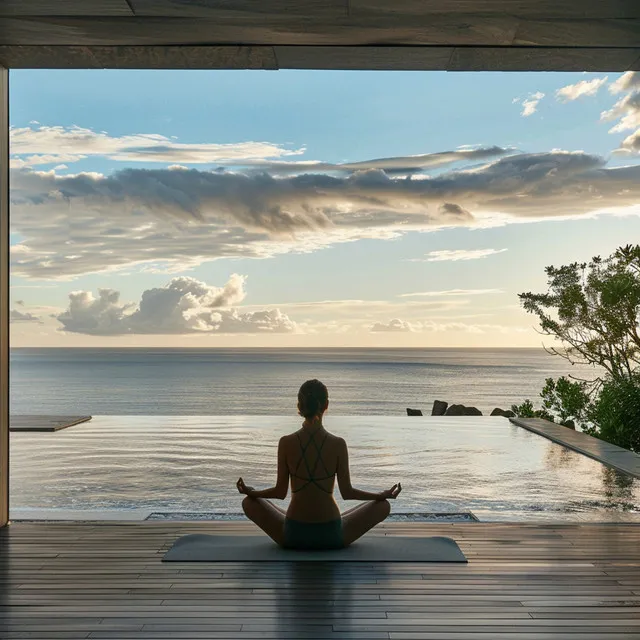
<point x="200" y="547"/>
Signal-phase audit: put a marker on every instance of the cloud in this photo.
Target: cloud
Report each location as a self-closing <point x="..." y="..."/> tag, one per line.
<point x="530" y="104"/>
<point x="626" y="82"/>
<point x="626" y="110"/>
<point x="398" y="325"/>
<point x="185" y="305"/>
<point x="176" y="219"/>
<point x="33" y="286"/>
<point x="393" y="325"/>
<point x="38" y="159"/>
<point x="454" y="255"/>
<point x="32" y="146"/>
<point x="393" y="165"/>
<point x="55" y="144"/>
<point x="22" y="316"/>
<point x="451" y="292"/>
<point x="580" y="89"/>
<point x="632" y="142"/>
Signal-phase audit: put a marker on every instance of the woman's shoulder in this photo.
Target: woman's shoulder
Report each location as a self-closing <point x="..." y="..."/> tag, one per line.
<point x="288" y="437"/>
<point x="338" y="440"/>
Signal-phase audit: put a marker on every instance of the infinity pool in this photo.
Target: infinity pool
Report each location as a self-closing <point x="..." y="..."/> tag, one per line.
<point x="485" y="466"/>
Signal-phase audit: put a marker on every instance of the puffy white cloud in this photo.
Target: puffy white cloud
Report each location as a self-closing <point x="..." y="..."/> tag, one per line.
<point x="185" y="305"/>
<point x="454" y="255"/>
<point x="632" y="142"/>
<point x="265" y="321"/>
<point x="451" y="292"/>
<point x="626" y="82"/>
<point x="530" y="104"/>
<point x="580" y="89"/>
<point x="393" y="325"/>
<point x="51" y="144"/>
<point x="176" y="219"/>
<point x="23" y="316"/>
<point x="626" y="110"/>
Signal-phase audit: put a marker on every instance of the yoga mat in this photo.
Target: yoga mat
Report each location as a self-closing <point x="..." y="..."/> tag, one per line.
<point x="200" y="547"/>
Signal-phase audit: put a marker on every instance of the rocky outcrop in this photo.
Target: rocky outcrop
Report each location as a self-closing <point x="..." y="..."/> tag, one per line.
<point x="461" y="410"/>
<point x="505" y="413"/>
<point x="414" y="412"/>
<point x="439" y="408"/>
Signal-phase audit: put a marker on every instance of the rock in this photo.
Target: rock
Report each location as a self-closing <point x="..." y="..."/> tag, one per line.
<point x="461" y="410"/>
<point x="570" y="424"/>
<point x="505" y="413"/>
<point x="414" y="412"/>
<point x="439" y="408"/>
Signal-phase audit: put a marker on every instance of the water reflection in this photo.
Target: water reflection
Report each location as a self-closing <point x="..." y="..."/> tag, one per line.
<point x="559" y="457"/>
<point x="618" y="489"/>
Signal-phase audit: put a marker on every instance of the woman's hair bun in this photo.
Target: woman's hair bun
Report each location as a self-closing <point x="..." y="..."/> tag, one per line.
<point x="312" y="398"/>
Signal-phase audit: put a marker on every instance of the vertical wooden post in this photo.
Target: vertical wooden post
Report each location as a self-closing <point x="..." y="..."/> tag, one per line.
<point x="4" y="296"/>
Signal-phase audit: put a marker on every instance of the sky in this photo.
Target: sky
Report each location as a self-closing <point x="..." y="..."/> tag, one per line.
<point x="309" y="208"/>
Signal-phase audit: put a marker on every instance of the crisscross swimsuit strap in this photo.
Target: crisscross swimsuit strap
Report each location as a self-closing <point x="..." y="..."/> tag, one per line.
<point x="311" y="479"/>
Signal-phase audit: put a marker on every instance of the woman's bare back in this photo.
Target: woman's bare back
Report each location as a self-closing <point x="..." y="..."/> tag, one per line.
<point x="313" y="460"/>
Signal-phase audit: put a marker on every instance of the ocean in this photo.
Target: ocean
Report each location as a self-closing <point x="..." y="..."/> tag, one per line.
<point x="265" y="381"/>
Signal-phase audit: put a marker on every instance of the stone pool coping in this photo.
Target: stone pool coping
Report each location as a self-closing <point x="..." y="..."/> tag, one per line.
<point x="608" y="454"/>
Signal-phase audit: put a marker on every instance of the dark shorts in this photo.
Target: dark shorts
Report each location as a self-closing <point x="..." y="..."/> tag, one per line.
<point x="313" y="535"/>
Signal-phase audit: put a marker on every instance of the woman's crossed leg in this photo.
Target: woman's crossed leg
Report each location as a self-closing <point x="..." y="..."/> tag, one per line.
<point x="267" y="516"/>
<point x="361" y="519"/>
<point x="355" y="522"/>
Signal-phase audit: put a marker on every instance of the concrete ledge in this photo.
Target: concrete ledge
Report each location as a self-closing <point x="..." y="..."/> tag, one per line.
<point x="80" y="515"/>
<point x="605" y="452"/>
<point x="44" y="422"/>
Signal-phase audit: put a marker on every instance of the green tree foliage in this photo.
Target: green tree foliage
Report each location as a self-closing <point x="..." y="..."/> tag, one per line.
<point x="566" y="399"/>
<point x="527" y="410"/>
<point x="593" y="310"/>
<point x="615" y="413"/>
<point x="562" y="399"/>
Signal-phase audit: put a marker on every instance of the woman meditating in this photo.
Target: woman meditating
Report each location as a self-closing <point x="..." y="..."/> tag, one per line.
<point x="313" y="458"/>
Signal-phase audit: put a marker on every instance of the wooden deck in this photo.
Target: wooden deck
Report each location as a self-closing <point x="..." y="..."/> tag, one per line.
<point x="523" y="582"/>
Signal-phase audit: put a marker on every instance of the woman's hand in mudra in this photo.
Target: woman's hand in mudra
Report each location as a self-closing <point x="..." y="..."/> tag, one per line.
<point x="242" y="488"/>
<point x="391" y="494"/>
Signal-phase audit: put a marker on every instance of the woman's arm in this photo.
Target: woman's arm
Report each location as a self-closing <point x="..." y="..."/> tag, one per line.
<point x="347" y="490"/>
<point x="282" y="483"/>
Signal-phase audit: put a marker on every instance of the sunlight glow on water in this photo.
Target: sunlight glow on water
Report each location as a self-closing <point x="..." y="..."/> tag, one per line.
<point x="483" y="465"/>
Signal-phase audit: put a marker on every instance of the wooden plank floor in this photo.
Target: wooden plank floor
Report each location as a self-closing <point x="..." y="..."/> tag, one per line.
<point x="523" y="582"/>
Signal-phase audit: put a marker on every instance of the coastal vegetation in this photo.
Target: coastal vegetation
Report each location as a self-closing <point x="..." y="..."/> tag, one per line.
<point x="591" y="311"/>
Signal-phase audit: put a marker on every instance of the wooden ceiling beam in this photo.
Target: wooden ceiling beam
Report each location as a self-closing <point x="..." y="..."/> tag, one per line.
<point x="312" y="57"/>
<point x="65" y="8"/>
<point x="586" y="35"/>
<point x="441" y="30"/>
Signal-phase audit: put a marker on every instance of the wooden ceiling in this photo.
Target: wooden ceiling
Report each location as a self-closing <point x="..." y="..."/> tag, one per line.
<point x="453" y="35"/>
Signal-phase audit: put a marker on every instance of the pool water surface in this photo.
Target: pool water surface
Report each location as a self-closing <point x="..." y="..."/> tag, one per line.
<point x="486" y="466"/>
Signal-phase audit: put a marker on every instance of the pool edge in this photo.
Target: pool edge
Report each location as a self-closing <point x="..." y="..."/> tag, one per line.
<point x="608" y="454"/>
